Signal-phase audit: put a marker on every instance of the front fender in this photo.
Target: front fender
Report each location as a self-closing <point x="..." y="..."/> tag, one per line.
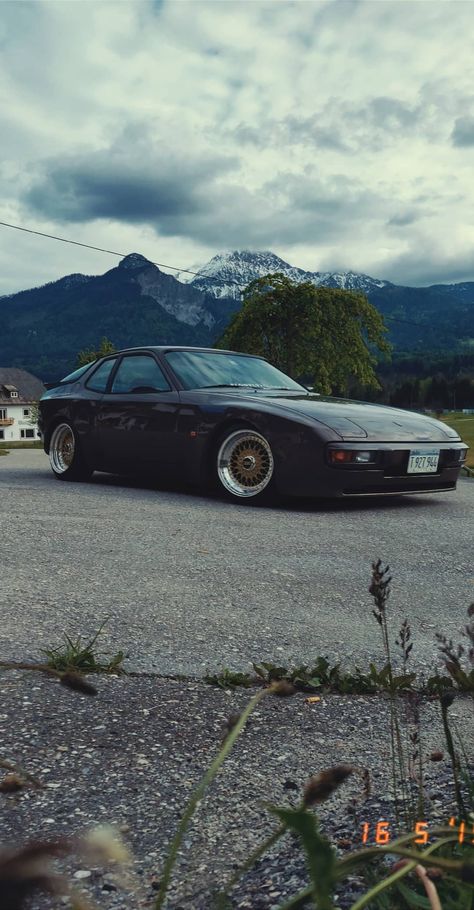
<point x="297" y="445"/>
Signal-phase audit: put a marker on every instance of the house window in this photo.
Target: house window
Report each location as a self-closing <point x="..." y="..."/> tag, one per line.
<point x="2" y="434"/>
<point x="26" y="412"/>
<point x="3" y="413"/>
<point x="11" y="391"/>
<point x="27" y="434"/>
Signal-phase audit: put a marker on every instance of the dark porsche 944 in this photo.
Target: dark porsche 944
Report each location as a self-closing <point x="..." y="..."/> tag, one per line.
<point x="235" y="420"/>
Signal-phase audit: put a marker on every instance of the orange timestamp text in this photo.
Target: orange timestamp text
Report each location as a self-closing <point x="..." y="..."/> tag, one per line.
<point x="381" y="834"/>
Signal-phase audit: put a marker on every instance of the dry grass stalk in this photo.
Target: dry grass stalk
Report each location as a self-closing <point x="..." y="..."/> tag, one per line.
<point x="320" y="787"/>
<point x="27" y="871"/>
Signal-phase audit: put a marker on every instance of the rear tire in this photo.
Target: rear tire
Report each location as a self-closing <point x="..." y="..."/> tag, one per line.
<point x="65" y="457"/>
<point x="244" y="465"/>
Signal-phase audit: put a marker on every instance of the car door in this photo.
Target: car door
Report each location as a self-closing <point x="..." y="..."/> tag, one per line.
<point x="137" y="416"/>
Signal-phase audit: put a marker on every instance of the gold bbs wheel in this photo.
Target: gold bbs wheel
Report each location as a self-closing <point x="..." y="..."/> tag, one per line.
<point x="65" y="456"/>
<point x="61" y="449"/>
<point x="245" y="463"/>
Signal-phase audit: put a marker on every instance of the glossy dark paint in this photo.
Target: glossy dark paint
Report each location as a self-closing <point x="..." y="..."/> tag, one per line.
<point x="178" y="430"/>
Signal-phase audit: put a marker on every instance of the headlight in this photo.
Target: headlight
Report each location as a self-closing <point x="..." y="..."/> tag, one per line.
<point x="364" y="457"/>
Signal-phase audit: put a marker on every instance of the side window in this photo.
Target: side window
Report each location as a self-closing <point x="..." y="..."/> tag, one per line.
<point x="139" y="373"/>
<point x="98" y="380"/>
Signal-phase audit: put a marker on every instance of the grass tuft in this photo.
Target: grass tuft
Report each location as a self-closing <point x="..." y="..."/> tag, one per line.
<point x="77" y="656"/>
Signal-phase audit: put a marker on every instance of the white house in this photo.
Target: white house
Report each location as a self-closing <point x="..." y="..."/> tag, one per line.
<point x="19" y="394"/>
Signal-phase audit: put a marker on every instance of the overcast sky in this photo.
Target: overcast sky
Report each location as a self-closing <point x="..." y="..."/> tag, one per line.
<point x="339" y="134"/>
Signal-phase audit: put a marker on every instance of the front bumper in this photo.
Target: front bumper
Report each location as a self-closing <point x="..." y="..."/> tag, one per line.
<point x="388" y="477"/>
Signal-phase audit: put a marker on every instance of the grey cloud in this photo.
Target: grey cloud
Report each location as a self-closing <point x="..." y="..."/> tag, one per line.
<point x="463" y="132"/>
<point x="315" y="131"/>
<point x="377" y="123"/>
<point x="402" y="219"/>
<point x="336" y="196"/>
<point x="390" y="113"/>
<point x="285" y="209"/>
<point x="339" y="126"/>
<point x="140" y="185"/>
<point x="427" y="266"/>
<point x="291" y="130"/>
<point x="198" y="198"/>
<point x="82" y="193"/>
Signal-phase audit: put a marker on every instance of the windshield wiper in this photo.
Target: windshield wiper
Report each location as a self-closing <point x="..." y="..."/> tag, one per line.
<point x="232" y="385"/>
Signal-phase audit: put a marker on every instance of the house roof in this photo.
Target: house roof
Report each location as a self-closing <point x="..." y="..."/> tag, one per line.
<point x="29" y="387"/>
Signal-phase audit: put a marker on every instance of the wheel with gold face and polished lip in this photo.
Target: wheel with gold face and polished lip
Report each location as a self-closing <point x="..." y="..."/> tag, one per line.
<point x="65" y="455"/>
<point x="245" y="465"/>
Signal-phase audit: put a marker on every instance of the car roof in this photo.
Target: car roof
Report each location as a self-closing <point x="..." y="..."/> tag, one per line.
<point x="168" y="348"/>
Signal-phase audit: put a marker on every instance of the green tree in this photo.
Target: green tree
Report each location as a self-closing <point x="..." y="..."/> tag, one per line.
<point x="87" y="356"/>
<point x="34" y="413"/>
<point x="326" y="333"/>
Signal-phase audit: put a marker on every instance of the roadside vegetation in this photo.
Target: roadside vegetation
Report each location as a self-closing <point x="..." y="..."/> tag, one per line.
<point x="88" y="355"/>
<point x="426" y="869"/>
<point x="464" y="425"/>
<point x="433" y="381"/>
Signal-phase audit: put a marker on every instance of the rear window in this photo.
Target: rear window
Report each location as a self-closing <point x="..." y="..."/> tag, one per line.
<point x="72" y="377"/>
<point x="100" y="377"/>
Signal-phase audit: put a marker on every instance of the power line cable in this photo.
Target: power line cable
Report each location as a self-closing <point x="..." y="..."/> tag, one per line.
<point x="99" y="249"/>
<point x="162" y="265"/>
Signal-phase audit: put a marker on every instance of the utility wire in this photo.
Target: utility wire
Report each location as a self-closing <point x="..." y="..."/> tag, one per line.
<point x="99" y="249"/>
<point x="162" y="265"/>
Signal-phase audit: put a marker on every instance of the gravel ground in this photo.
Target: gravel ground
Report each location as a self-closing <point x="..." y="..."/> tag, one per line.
<point x="132" y="755"/>
<point x="191" y="583"/>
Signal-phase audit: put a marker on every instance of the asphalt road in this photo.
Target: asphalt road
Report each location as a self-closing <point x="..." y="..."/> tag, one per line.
<point x="191" y="583"/>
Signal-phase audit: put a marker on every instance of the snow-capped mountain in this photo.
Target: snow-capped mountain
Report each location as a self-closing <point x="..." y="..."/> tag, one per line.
<point x="227" y="274"/>
<point x="136" y="303"/>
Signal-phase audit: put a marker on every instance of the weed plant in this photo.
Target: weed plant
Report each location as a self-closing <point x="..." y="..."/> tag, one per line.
<point x="75" y="655"/>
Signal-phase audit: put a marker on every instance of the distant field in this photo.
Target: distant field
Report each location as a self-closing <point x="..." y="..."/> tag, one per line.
<point x="464" y="424"/>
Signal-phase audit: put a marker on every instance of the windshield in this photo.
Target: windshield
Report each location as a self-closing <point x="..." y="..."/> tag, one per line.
<point x="207" y="370"/>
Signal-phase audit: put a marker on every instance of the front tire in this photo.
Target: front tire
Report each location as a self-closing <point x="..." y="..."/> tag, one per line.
<point x="244" y="465"/>
<point x="65" y="456"/>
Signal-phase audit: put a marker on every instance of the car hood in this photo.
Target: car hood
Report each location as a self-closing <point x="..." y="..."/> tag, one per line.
<point x="361" y="420"/>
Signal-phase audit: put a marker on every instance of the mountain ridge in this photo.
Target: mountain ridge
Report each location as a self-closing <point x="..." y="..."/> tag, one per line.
<point x="137" y="303"/>
<point x="236" y="268"/>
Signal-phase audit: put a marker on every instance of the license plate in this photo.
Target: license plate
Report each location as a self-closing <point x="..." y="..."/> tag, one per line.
<point x="423" y="461"/>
